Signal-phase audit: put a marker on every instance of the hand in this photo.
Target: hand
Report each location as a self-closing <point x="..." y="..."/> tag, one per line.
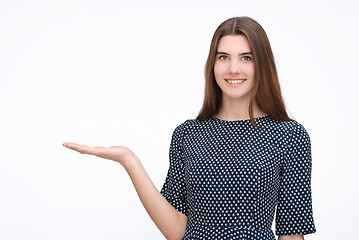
<point x="116" y="153"/>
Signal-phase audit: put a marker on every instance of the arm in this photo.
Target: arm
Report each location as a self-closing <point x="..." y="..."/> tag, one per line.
<point x="170" y="222"/>
<point x="292" y="237"/>
<point x="294" y="215"/>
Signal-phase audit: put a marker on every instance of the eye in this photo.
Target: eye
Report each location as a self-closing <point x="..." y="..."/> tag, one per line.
<point x="223" y="57"/>
<point x="247" y="58"/>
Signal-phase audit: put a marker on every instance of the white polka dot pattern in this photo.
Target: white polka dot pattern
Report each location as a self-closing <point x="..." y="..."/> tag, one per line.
<point x="228" y="177"/>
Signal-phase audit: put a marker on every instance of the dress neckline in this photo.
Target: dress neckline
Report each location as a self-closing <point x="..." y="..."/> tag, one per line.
<point x="238" y="121"/>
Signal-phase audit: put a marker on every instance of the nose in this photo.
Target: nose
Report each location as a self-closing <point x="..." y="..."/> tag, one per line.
<point x="234" y="67"/>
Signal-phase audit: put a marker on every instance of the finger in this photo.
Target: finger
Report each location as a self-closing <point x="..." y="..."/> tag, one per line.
<point x="79" y="148"/>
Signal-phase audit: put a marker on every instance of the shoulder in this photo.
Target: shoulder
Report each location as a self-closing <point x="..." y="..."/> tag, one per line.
<point x="289" y="128"/>
<point x="288" y="133"/>
<point x="297" y="130"/>
<point x="190" y="124"/>
<point x="293" y="134"/>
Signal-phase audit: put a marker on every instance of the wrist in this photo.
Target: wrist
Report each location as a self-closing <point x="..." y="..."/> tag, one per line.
<point x="131" y="162"/>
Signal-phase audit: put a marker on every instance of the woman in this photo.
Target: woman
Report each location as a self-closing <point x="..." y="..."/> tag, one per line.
<point x="239" y="160"/>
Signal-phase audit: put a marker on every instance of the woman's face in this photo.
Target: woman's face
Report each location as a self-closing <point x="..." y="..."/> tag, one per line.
<point x="234" y="68"/>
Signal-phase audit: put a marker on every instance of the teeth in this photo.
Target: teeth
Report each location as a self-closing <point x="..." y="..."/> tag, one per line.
<point x="235" y="81"/>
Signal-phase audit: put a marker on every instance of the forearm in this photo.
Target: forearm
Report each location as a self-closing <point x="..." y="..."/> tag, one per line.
<point x="171" y="223"/>
<point x="292" y="237"/>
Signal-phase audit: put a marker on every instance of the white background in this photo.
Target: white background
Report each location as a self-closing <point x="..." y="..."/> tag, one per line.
<point x="127" y="73"/>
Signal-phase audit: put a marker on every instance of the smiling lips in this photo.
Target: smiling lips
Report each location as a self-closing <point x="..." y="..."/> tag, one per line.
<point x="235" y="81"/>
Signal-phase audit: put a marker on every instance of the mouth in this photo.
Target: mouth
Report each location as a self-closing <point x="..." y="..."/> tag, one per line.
<point x="235" y="82"/>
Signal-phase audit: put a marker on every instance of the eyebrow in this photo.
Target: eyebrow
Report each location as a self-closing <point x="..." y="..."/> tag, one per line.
<point x="244" y="53"/>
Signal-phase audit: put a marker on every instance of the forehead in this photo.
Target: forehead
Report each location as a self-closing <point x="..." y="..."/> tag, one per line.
<point x="234" y="43"/>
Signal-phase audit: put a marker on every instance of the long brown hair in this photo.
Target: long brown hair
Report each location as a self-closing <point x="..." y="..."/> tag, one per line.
<point x="266" y="89"/>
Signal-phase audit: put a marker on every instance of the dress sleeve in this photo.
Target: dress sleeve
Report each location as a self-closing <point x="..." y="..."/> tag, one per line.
<point x="294" y="210"/>
<point x="174" y="188"/>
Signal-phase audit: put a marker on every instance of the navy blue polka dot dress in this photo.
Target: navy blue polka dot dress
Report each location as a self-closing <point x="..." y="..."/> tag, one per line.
<point x="231" y="178"/>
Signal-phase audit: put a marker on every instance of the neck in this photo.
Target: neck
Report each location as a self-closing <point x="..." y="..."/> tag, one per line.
<point x="238" y="110"/>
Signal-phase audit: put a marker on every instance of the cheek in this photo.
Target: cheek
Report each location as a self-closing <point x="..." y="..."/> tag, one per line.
<point x="251" y="70"/>
<point x="218" y="69"/>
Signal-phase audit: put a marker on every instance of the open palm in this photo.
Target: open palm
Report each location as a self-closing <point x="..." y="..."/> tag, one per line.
<point x="115" y="153"/>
